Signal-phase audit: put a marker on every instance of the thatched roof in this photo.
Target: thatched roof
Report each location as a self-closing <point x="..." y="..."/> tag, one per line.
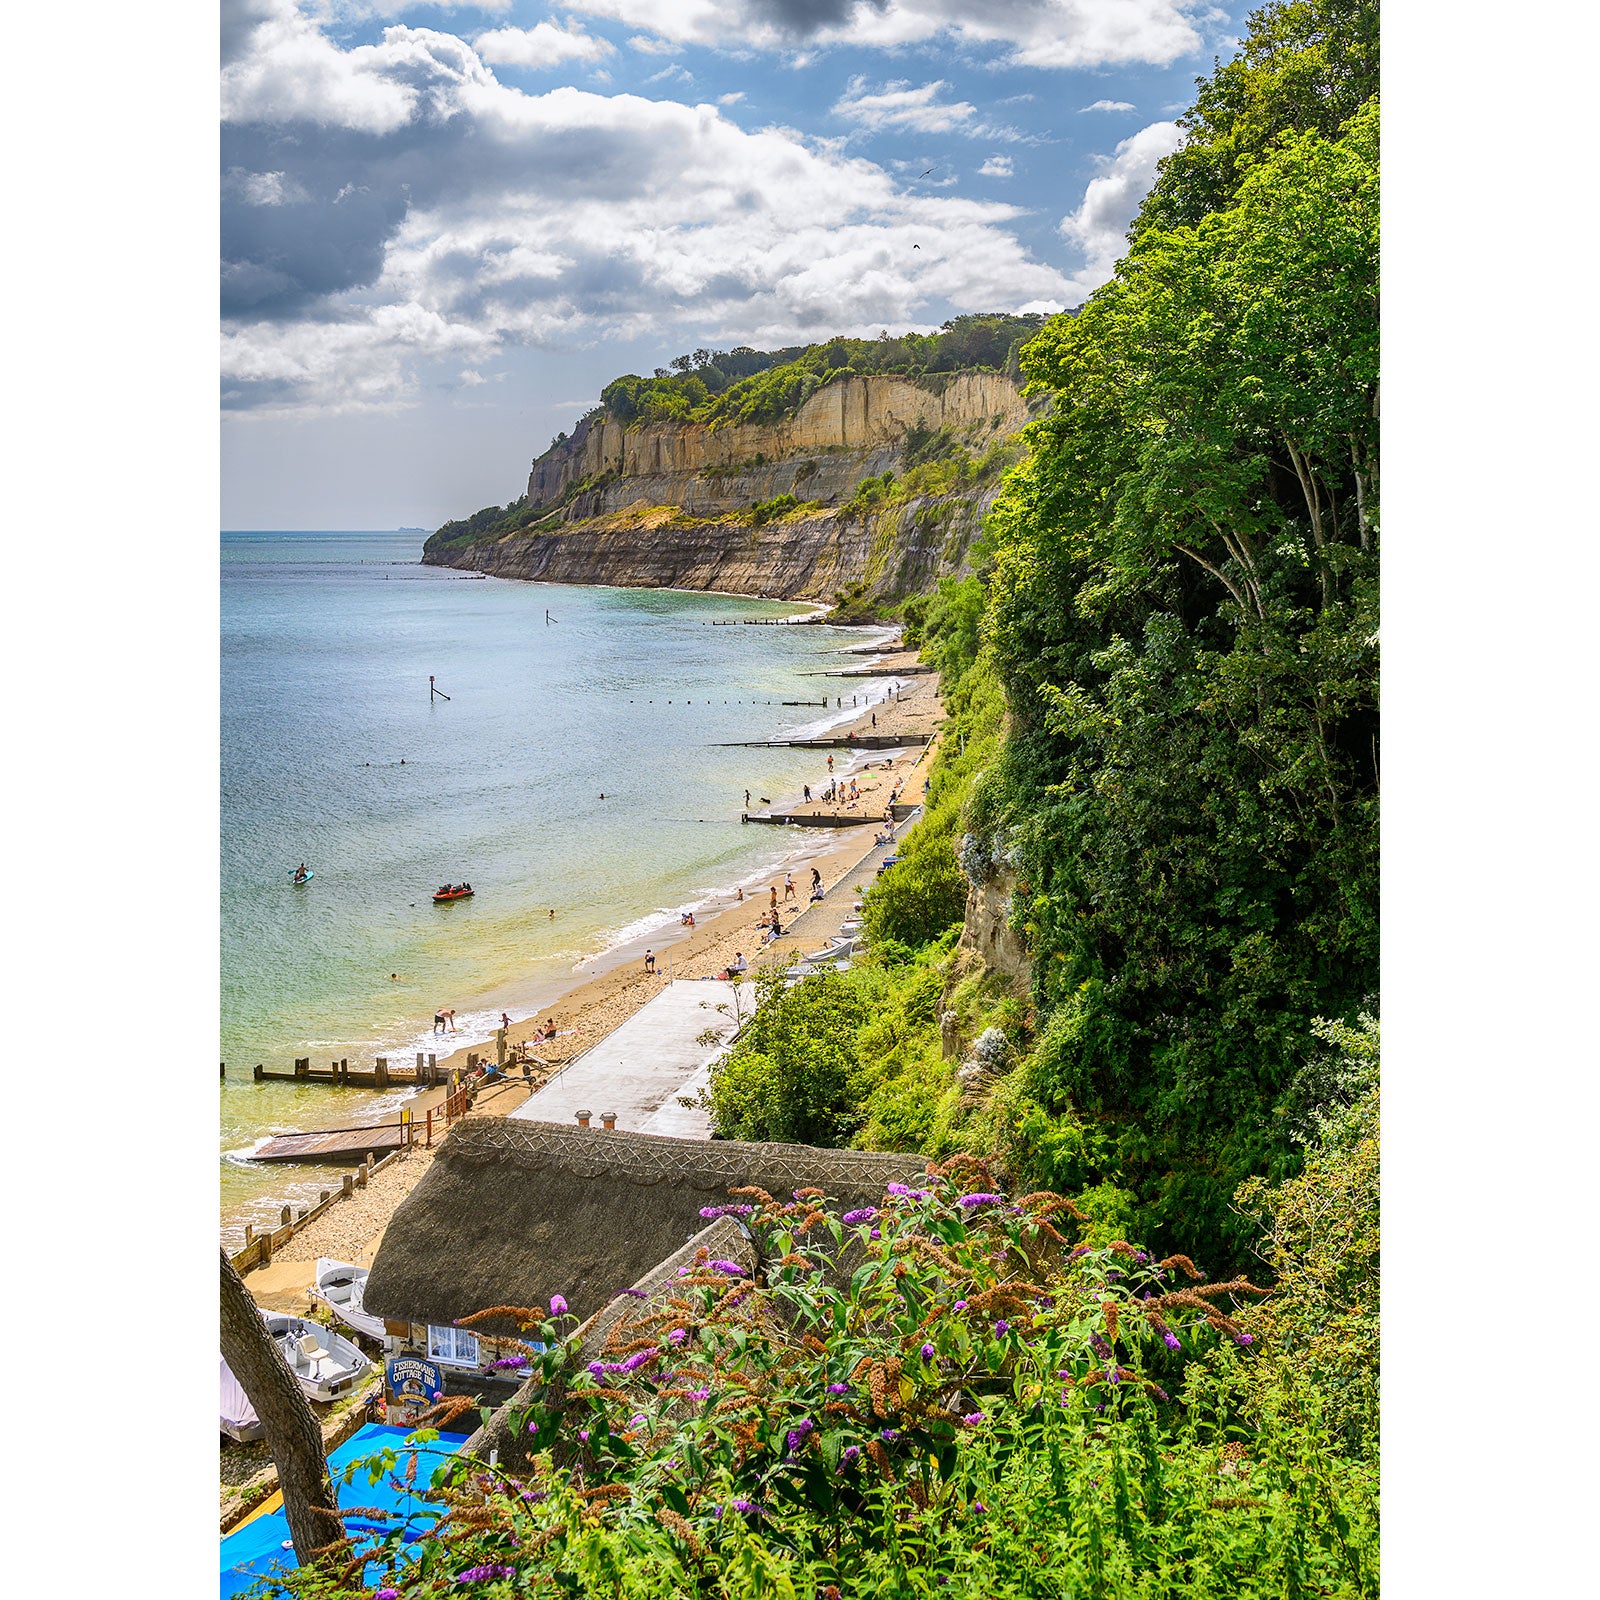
<point x="512" y="1212"/>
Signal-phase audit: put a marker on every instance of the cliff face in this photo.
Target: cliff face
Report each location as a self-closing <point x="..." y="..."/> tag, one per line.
<point x="668" y="504"/>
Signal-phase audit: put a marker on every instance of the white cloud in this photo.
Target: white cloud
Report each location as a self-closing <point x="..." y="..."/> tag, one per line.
<point x="480" y="216"/>
<point x="1100" y="224"/>
<point x="652" y="45"/>
<point x="996" y="167"/>
<point x="543" y="45"/>
<point x="1108" y="105"/>
<point x="898" y="105"/>
<point x="262" y="188"/>
<point x="671" y="73"/>
<point x="1034" y="33"/>
<point x="730" y="99"/>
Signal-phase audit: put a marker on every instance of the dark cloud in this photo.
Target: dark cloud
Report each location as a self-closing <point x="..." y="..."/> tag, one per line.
<point x="326" y="237"/>
<point x="240" y="19"/>
<point x="811" y="16"/>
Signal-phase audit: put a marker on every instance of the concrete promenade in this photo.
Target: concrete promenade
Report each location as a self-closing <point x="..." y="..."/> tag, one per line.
<point x="640" y="1068"/>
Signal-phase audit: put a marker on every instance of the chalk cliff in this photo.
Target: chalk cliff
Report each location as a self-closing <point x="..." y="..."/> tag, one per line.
<point x="682" y="505"/>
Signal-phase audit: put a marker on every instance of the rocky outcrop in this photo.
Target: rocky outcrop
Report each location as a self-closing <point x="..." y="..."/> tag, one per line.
<point x="668" y="505"/>
<point x="987" y="929"/>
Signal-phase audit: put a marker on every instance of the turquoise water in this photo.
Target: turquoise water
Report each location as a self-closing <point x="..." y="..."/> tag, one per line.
<point x="332" y="754"/>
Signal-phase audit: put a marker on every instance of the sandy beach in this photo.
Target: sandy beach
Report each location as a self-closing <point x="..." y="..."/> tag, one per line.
<point x="597" y="1004"/>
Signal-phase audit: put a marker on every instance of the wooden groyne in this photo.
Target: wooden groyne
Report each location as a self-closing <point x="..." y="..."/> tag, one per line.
<point x="916" y="670"/>
<point x="855" y="741"/>
<point x="341" y="1075"/>
<point x="814" y="819"/>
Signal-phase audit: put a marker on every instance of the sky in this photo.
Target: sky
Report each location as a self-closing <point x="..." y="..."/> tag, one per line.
<point x="446" y="226"/>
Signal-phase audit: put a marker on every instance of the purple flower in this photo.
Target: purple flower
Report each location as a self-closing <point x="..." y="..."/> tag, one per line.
<point x="533" y="1427"/>
<point x="850" y="1453"/>
<point x="1113" y="1374"/>
<point x="747" y="1507"/>
<point x="483" y="1574"/>
<point x="732" y="1268"/>
<point x="1099" y="1346"/>
<point x="797" y="1434"/>
<point x="504" y="1362"/>
<point x="973" y="1418"/>
<point x="838" y="1388"/>
<point x="636" y="1420"/>
<point x="387" y="1594"/>
<point x="969" y="1201"/>
<point x="534" y="1496"/>
<point x="961" y="1305"/>
<point x="677" y="1336"/>
<point x="438" y="1394"/>
<point x="1244" y="1338"/>
<point x="726" y="1211"/>
<point x="1171" y="1340"/>
<point x="558" y="1306"/>
<point x="699" y="1394"/>
<point x="639" y="1294"/>
<point x="1000" y="1328"/>
<point x="638" y="1359"/>
<point x="865" y="1214"/>
<point x="597" y="1369"/>
<point x="928" y="1352"/>
<point x="888" y="1435"/>
<point x="583" y="1434"/>
<point x="908" y="1192"/>
<point x="1159" y="1392"/>
<point x="1081" y="1251"/>
<point x="979" y="1507"/>
<point x="875" y="1234"/>
<point x="716" y="1511"/>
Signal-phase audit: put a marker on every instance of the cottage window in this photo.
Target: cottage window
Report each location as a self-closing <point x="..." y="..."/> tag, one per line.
<point x="455" y="1347"/>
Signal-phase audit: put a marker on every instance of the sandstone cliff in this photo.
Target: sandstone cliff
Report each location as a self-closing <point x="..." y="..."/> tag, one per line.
<point x="681" y="505"/>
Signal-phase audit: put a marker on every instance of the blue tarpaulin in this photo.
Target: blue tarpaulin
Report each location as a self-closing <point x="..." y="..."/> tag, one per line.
<point x="261" y="1547"/>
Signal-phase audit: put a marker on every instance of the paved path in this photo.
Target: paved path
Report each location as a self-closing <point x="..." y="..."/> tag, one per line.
<point x="641" y="1068"/>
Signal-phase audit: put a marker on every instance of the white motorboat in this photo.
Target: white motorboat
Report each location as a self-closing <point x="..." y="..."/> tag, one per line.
<point x="325" y="1364"/>
<point x="339" y="1286"/>
<point x="239" y="1419"/>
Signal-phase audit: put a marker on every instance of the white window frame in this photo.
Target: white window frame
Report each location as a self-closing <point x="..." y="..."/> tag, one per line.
<point x="452" y="1347"/>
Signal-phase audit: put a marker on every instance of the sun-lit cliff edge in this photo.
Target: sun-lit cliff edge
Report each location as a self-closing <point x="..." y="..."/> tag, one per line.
<point x="877" y="483"/>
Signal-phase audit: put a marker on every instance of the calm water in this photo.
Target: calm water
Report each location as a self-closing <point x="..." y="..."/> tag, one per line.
<point x="332" y="754"/>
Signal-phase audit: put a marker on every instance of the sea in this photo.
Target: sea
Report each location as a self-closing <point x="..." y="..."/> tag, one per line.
<point x="578" y="754"/>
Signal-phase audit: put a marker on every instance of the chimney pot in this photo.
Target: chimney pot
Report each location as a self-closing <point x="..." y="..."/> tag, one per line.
<point x="583" y="1119"/>
<point x="608" y="1121"/>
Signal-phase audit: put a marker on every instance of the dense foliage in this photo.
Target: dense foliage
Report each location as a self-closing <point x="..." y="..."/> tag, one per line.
<point x="940" y="1394"/>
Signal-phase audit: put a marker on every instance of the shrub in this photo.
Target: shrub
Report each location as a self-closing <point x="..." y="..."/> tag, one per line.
<point x="978" y="1407"/>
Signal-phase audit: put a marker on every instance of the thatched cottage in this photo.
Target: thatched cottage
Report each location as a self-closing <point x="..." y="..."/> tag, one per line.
<point x="512" y="1212"/>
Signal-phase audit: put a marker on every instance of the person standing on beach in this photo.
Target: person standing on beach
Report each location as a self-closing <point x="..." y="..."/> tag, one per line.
<point x="774" y="897"/>
<point x="805" y="790"/>
<point x="438" y="1020"/>
<point x="788" y="886"/>
<point x="816" y="880"/>
<point x="747" y="799"/>
<point x="649" y="961"/>
<point x="505" y="1019"/>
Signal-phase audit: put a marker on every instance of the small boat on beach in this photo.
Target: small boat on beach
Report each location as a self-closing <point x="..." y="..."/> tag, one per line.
<point x="339" y="1286"/>
<point x="239" y="1419"/>
<point x="325" y="1364"/>
<point x="452" y="891"/>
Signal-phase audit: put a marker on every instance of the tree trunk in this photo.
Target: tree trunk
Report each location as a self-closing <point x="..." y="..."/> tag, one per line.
<point x="293" y="1436"/>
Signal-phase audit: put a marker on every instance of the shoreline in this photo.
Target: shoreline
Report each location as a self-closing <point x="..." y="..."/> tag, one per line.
<point x="603" y="989"/>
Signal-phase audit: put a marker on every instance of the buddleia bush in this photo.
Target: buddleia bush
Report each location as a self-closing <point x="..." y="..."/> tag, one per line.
<point x="942" y="1394"/>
